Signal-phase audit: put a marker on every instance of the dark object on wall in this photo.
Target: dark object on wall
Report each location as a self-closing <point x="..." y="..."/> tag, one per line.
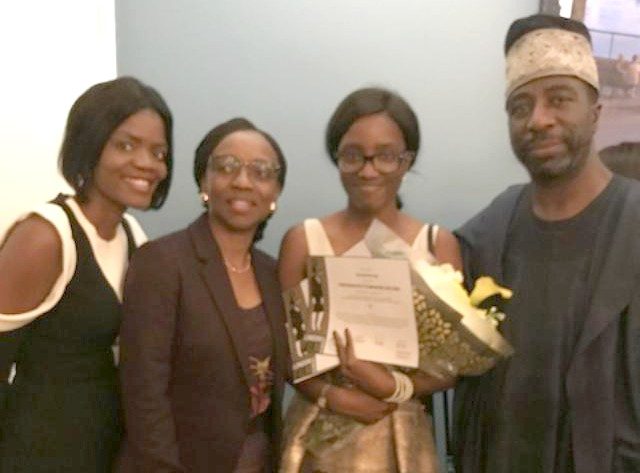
<point x="623" y="158"/>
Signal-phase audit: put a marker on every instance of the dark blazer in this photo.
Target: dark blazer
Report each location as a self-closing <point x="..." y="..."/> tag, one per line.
<point x="184" y="366"/>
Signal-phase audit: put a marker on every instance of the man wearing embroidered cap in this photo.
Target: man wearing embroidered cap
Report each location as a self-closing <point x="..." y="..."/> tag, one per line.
<point x="568" y="245"/>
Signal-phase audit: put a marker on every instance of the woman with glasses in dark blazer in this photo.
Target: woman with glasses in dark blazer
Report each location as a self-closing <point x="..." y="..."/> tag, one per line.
<point x="203" y="345"/>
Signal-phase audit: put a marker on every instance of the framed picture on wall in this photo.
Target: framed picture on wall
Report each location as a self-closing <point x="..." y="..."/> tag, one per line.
<point x="552" y="7"/>
<point x="615" y="33"/>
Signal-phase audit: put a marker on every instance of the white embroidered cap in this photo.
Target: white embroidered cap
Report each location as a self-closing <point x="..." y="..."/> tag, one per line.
<point x="550" y="52"/>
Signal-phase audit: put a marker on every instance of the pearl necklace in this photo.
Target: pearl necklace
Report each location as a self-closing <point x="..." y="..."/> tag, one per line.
<point x="238" y="270"/>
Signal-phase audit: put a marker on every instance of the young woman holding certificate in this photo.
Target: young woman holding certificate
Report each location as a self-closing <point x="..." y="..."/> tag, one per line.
<point x="364" y="416"/>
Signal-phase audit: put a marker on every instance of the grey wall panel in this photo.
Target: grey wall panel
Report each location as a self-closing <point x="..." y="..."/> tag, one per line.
<point x="285" y="64"/>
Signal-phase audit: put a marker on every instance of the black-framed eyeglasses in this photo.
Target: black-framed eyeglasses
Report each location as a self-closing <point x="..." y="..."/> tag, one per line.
<point x="258" y="170"/>
<point x="384" y="161"/>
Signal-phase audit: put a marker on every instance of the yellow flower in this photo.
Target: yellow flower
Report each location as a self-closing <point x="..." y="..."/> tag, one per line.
<point x="486" y="287"/>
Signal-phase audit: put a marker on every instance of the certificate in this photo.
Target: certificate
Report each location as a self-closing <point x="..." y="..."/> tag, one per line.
<point x="373" y="298"/>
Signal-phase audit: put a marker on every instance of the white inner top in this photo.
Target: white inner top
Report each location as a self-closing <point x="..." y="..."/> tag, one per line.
<point x="319" y="244"/>
<point x="111" y="256"/>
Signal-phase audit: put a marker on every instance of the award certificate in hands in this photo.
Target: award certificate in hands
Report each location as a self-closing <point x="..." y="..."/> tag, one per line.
<point x="373" y="298"/>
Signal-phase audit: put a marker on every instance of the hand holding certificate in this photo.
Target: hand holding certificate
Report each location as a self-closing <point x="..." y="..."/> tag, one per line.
<point x="373" y="378"/>
<point x="369" y="296"/>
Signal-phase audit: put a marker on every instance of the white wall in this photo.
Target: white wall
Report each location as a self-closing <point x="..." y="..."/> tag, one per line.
<point x="51" y="52"/>
<point x="285" y="64"/>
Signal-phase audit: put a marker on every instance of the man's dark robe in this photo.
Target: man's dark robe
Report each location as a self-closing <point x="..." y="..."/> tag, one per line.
<point x="602" y="378"/>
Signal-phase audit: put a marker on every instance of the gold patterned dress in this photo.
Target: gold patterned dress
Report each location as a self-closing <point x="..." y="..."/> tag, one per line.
<point x="318" y="440"/>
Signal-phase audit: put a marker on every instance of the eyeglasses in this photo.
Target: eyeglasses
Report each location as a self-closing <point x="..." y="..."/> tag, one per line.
<point x="258" y="170"/>
<point x="384" y="162"/>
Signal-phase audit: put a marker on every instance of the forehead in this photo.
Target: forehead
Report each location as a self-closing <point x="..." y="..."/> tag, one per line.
<point x="549" y="84"/>
<point x="246" y="144"/>
<point x="377" y="128"/>
<point x="143" y="123"/>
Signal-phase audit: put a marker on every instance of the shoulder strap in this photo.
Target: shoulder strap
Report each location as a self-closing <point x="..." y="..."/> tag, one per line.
<point x="317" y="240"/>
<point x="430" y="243"/>
<point x="60" y="201"/>
<point x="77" y="233"/>
<point x="432" y="236"/>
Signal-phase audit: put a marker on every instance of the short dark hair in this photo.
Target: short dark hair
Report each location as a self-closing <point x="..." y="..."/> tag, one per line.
<point x="522" y="26"/>
<point x="623" y="158"/>
<point x="368" y="101"/>
<point x="219" y="133"/>
<point x="93" y="118"/>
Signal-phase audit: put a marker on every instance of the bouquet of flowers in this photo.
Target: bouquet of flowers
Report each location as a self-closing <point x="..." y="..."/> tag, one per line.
<point x="455" y="336"/>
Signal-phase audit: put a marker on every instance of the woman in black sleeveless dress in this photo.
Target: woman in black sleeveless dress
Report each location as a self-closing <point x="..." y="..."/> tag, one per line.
<point x="61" y="273"/>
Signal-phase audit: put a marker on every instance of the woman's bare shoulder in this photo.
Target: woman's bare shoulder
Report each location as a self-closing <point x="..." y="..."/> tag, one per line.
<point x="34" y="240"/>
<point x="30" y="262"/>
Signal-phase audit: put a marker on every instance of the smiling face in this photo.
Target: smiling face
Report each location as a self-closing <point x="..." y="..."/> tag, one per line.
<point x="132" y="163"/>
<point x="552" y="121"/>
<point x="369" y="190"/>
<point x="239" y="199"/>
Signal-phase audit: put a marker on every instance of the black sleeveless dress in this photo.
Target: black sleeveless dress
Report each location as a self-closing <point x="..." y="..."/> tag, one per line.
<point x="62" y="412"/>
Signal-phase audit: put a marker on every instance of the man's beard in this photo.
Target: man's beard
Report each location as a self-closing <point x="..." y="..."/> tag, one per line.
<point x="550" y="169"/>
<point x="556" y="168"/>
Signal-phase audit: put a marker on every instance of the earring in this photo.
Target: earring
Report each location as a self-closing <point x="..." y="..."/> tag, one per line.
<point x="273" y="206"/>
<point x="80" y="181"/>
<point x="204" y="197"/>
